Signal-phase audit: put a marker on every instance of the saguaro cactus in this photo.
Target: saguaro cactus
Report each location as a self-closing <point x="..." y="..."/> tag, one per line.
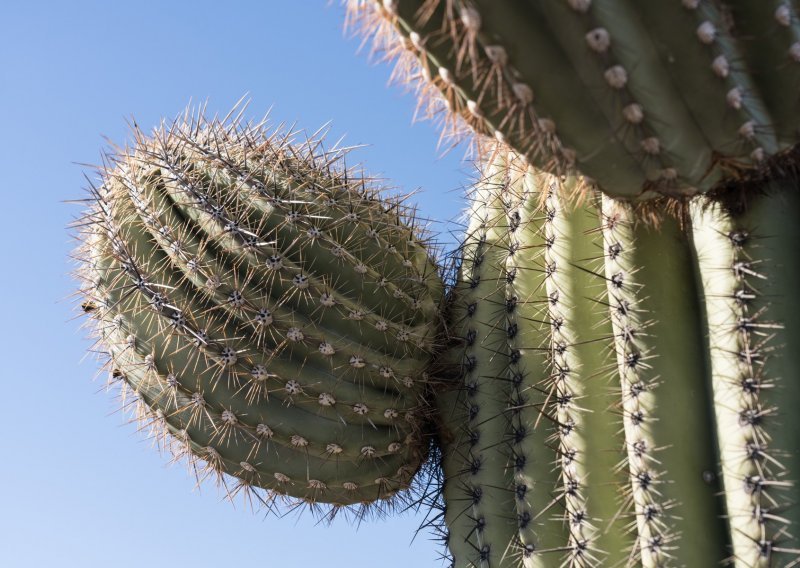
<point x="273" y="312"/>
<point x="684" y="114"/>
<point x="624" y="321"/>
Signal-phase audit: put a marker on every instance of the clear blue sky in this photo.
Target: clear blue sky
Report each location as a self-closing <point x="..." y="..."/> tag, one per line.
<point x="79" y="487"/>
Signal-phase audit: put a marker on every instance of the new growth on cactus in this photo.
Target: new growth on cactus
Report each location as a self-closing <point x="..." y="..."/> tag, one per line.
<point x="273" y="312"/>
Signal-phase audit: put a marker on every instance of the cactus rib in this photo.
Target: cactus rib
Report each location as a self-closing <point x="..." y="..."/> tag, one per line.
<point x="651" y="100"/>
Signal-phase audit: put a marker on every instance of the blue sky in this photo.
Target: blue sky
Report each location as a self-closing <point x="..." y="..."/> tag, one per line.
<point x="78" y="486"/>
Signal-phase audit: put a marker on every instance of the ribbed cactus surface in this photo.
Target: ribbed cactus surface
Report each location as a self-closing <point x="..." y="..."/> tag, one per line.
<point x="627" y="397"/>
<point x="658" y="98"/>
<point x="274" y="312"/>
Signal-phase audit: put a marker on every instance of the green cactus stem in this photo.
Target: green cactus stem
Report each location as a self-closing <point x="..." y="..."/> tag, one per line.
<point x="274" y="313"/>
<point x="664" y="396"/>
<point x="648" y="99"/>
<point x="629" y="377"/>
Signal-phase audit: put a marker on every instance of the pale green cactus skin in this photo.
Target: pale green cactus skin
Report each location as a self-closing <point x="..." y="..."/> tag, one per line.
<point x="273" y="314"/>
<point x="620" y="384"/>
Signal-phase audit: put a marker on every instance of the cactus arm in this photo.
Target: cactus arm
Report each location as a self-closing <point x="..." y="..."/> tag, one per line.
<point x="319" y="325"/>
<point x="706" y="89"/>
<point x="604" y="139"/>
<point x="649" y="99"/>
<point x="373" y="391"/>
<point x="226" y="444"/>
<point x="742" y="260"/>
<point x="628" y="71"/>
<point x="504" y="100"/>
<point x="261" y="373"/>
<point x="298" y="244"/>
<point x="223" y="384"/>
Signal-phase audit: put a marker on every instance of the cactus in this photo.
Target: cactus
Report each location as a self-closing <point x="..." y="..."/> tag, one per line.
<point x="640" y="382"/>
<point x="650" y="99"/>
<point x="271" y="310"/>
<point x="622" y="327"/>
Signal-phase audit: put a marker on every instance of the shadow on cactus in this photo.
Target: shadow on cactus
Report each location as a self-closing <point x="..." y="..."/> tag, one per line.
<point x="273" y="312"/>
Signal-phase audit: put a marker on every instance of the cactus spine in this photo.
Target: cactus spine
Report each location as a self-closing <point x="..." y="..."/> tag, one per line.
<point x="274" y="314"/>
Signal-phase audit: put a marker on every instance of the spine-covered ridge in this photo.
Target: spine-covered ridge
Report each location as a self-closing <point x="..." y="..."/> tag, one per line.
<point x="481" y="516"/>
<point x="565" y="382"/>
<point x="637" y="386"/>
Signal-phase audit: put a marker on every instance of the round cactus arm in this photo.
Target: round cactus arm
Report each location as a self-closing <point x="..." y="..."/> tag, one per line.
<point x="217" y="384"/>
<point x="322" y="326"/>
<point x="222" y="439"/>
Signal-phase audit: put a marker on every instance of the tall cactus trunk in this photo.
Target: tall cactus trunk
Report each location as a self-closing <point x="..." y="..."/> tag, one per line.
<point x="627" y="392"/>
